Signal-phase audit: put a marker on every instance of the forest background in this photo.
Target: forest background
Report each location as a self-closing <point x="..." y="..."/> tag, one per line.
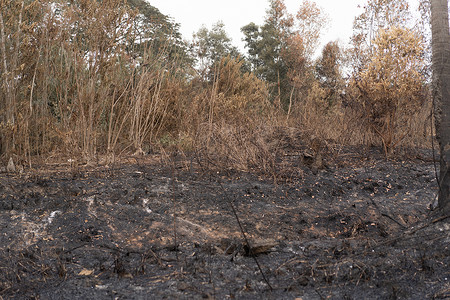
<point x="92" y="80"/>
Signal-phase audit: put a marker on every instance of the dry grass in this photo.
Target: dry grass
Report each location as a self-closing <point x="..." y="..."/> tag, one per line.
<point x="346" y="123"/>
<point x="78" y="103"/>
<point x="239" y="148"/>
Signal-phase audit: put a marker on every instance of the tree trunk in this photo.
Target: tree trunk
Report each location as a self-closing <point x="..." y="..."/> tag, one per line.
<point x="441" y="94"/>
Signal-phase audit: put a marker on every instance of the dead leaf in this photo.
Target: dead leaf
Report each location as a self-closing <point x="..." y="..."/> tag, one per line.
<point x="86" y="272"/>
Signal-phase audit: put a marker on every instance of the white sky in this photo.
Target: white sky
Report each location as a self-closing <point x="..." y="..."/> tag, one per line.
<point x="192" y="14"/>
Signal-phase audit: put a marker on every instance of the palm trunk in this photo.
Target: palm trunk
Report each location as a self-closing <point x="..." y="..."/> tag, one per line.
<point x="441" y="94"/>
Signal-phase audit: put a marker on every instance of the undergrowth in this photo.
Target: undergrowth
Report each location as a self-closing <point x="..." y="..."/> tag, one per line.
<point x="75" y="90"/>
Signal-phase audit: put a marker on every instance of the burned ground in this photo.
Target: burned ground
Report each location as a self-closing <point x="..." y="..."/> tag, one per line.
<point x="359" y="228"/>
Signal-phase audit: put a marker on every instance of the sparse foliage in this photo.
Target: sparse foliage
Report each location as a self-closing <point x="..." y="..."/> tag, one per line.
<point x="209" y="47"/>
<point x="378" y="14"/>
<point x="311" y="20"/>
<point x="388" y="70"/>
<point x="391" y="86"/>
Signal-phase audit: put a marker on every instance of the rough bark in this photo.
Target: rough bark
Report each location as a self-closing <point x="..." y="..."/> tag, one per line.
<point x="441" y="93"/>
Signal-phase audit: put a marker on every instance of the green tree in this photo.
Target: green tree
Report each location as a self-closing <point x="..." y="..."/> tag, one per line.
<point x="328" y="70"/>
<point x="265" y="44"/>
<point x="158" y="32"/>
<point x="209" y="47"/>
<point x="441" y="94"/>
<point x="280" y="51"/>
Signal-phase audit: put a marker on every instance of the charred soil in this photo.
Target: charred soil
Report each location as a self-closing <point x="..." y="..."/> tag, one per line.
<point x="358" y="228"/>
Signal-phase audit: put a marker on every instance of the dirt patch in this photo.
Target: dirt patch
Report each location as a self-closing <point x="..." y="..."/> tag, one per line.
<point x="358" y="228"/>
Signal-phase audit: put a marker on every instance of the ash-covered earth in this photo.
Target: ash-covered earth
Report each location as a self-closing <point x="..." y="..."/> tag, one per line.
<point x="147" y="228"/>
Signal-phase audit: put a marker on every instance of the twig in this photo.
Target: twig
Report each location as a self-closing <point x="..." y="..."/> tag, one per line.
<point x="241" y="228"/>
<point x="174" y="155"/>
<point x="155" y="256"/>
<point x="386" y="215"/>
<point x="395" y="221"/>
<point x="211" y="279"/>
<point x="318" y="293"/>
<point x="411" y="231"/>
<point x="414" y="230"/>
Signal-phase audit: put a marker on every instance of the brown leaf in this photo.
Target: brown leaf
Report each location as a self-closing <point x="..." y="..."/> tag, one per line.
<point x="86" y="272"/>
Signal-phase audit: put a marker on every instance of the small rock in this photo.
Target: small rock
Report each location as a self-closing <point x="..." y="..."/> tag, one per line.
<point x="263" y="246"/>
<point x="11" y="167"/>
